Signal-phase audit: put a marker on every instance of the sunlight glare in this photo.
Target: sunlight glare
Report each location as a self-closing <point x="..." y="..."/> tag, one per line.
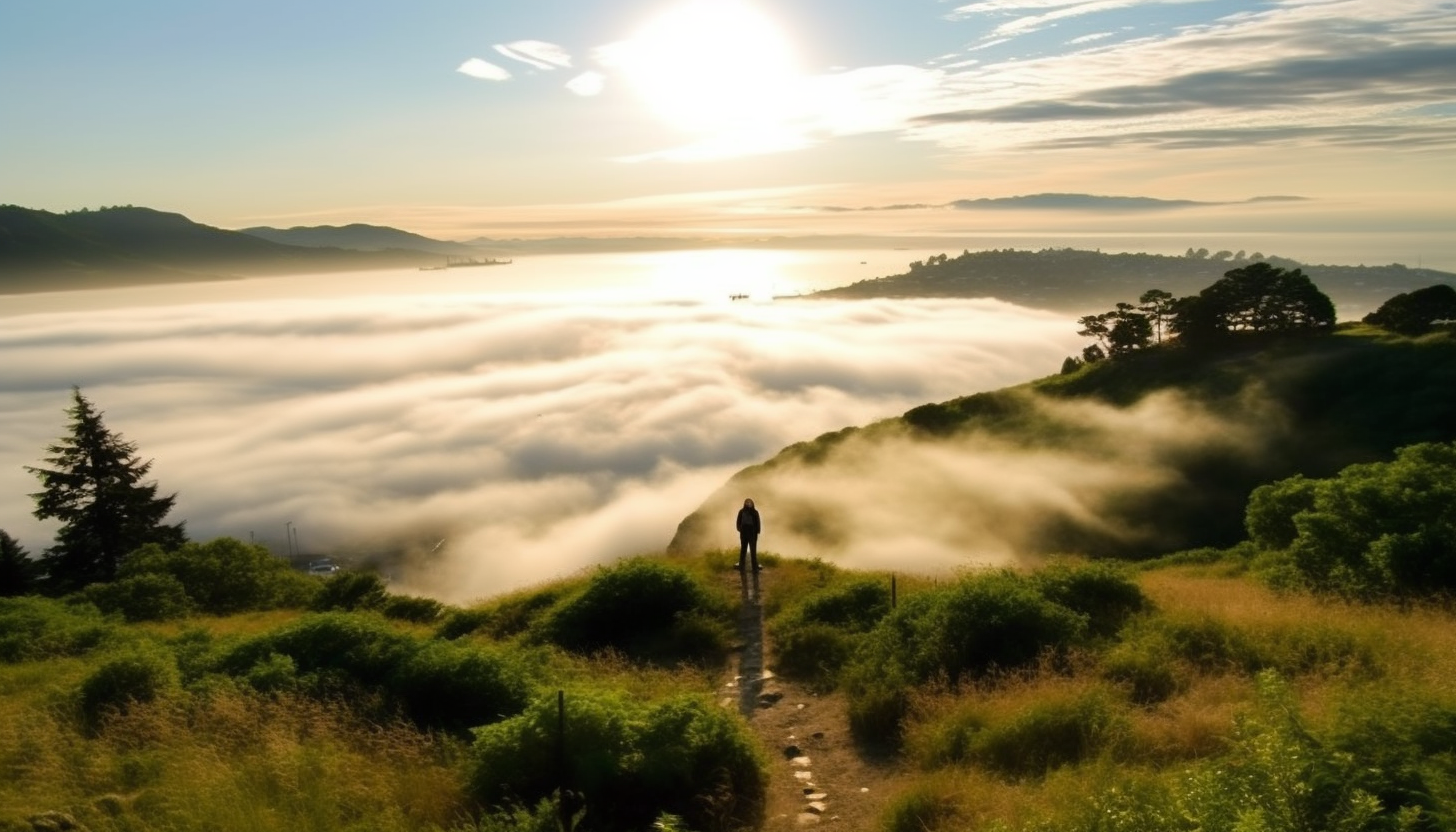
<point x="720" y="274"/>
<point x="710" y="66"/>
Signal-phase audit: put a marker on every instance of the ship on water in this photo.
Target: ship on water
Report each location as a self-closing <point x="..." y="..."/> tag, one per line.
<point x="453" y="262"/>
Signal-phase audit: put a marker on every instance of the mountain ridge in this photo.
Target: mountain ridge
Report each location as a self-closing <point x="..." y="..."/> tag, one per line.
<point x="129" y="245"/>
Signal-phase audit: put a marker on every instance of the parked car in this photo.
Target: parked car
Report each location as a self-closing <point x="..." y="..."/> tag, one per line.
<point x="323" y="566"/>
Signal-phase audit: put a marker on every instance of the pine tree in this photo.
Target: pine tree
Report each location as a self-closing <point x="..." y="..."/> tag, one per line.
<point x="17" y="570"/>
<point x="95" y="489"/>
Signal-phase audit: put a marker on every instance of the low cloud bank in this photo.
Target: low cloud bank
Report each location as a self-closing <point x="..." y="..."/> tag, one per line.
<point x="1069" y="476"/>
<point x="533" y="439"/>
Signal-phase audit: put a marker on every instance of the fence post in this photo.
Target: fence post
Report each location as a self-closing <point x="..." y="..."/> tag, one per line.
<point x="892" y="590"/>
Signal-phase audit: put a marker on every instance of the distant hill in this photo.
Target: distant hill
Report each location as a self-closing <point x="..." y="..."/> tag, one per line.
<point x="1084" y="282"/>
<point x="1125" y="458"/>
<point x="359" y="237"/>
<point x="45" y="251"/>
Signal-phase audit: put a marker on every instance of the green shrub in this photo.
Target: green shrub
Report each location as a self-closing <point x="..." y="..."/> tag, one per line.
<point x="877" y="708"/>
<point x="224" y="575"/>
<point x="140" y="676"/>
<point x="349" y="591"/>
<point x="142" y="597"/>
<point x="631" y="761"/>
<point x="1406" y="743"/>
<point x="275" y="673"/>
<point x="34" y="629"/>
<point x="1049" y="734"/>
<point x="924" y="807"/>
<point x="461" y="623"/>
<point x="856" y="605"/>
<point x="1209" y="644"/>
<point x="817" y="636"/>
<point x="436" y="683"/>
<point x="1375" y="530"/>
<point x="984" y="623"/>
<point x="1101" y="591"/>
<point x="812" y="652"/>
<point x="1278" y="776"/>
<point x="456" y="686"/>
<point x="361" y="647"/>
<point x="412" y="608"/>
<point x="945" y="739"/>
<point x="644" y="609"/>
<point x="1147" y="666"/>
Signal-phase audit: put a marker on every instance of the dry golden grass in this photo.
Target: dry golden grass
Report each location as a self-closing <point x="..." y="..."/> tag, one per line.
<point x="1418" y="643"/>
<point x="242" y="624"/>
<point x="229" y="761"/>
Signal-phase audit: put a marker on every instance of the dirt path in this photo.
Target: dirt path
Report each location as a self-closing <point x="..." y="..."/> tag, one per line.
<point x="817" y="774"/>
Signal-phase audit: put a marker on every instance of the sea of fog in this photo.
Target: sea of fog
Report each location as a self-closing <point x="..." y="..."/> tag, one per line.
<point x="537" y="418"/>
<point x="504" y="425"/>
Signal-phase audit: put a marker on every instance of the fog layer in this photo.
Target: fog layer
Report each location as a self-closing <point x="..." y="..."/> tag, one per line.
<point x="531" y="438"/>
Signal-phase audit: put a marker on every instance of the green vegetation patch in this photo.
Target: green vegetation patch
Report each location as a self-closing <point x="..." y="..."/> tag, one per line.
<point x="1376" y="530"/>
<point x="628" y="760"/>
<point x="645" y="609"/>
<point x="438" y="684"/>
<point x="34" y="629"/>
<point x="979" y="626"/>
<point x="816" y="637"/>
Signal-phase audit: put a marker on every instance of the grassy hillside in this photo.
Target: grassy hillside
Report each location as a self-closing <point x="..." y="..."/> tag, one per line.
<point x="1126" y="458"/>
<point x="1183" y="696"/>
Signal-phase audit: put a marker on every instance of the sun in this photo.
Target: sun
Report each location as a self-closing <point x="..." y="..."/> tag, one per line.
<point x="712" y="66"/>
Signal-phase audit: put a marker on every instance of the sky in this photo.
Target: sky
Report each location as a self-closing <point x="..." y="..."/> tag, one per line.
<point x="735" y="118"/>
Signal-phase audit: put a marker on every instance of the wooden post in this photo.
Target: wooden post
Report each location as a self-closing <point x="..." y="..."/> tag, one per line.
<point x="892" y="590"/>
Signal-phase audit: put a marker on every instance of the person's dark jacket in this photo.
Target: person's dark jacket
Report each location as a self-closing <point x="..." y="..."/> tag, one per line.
<point x="748" y="522"/>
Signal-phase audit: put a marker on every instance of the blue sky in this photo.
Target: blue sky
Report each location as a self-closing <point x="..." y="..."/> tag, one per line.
<point x="722" y="117"/>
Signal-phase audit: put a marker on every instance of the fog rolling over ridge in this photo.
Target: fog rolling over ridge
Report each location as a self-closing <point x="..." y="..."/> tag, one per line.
<point x="1074" y="476"/>
<point x="535" y="438"/>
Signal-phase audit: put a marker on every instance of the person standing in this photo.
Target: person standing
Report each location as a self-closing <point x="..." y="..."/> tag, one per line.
<point x="749" y="525"/>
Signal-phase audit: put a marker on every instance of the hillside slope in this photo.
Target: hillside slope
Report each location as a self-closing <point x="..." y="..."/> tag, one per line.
<point x="44" y="251"/>
<point x="1083" y="282"/>
<point x="358" y="236"/>
<point x="1127" y="458"/>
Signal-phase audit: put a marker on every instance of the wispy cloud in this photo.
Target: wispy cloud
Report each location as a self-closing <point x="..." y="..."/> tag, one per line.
<point x="485" y="70"/>
<point x="536" y="53"/>
<point x="587" y="84"/>
<point x="1044" y="12"/>
<point x="1313" y="72"/>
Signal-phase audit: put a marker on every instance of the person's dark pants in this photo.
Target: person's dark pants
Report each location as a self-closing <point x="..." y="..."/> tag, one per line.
<point x="748" y="545"/>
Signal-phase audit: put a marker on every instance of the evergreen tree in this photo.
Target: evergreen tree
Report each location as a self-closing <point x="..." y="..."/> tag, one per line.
<point x="95" y="489"/>
<point x="1258" y="298"/>
<point x="17" y="570"/>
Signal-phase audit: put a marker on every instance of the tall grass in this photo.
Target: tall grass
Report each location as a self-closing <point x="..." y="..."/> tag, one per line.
<point x="229" y="761"/>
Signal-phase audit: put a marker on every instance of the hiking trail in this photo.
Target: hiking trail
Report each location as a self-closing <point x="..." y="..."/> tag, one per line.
<point x="818" y="776"/>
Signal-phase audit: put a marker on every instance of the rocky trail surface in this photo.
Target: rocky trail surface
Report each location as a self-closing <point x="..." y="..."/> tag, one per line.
<point x="818" y="775"/>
